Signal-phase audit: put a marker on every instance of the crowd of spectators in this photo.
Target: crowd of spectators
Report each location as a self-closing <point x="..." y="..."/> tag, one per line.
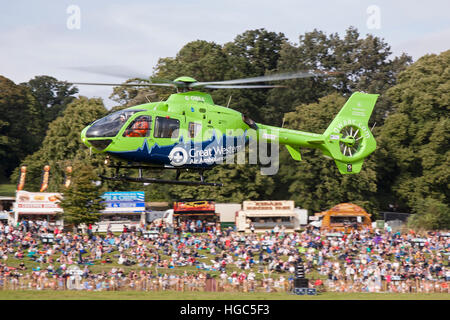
<point x="35" y="255"/>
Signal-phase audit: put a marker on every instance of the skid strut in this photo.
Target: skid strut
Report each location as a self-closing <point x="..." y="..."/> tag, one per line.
<point x="142" y="179"/>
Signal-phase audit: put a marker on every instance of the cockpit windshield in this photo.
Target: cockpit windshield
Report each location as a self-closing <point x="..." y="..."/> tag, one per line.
<point x="110" y="125"/>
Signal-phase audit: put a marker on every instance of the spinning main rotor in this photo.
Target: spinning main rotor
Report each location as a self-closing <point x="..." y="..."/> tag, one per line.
<point x="187" y="83"/>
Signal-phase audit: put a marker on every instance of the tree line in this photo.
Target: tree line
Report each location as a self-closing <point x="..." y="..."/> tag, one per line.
<point x="41" y="121"/>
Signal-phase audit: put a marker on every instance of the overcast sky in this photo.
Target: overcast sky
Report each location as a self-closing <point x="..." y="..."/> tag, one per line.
<point x="47" y="38"/>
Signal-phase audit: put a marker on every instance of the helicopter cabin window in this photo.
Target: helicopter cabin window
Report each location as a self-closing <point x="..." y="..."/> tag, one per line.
<point x="166" y="127"/>
<point x="249" y="122"/>
<point x="139" y="127"/>
<point x="194" y="129"/>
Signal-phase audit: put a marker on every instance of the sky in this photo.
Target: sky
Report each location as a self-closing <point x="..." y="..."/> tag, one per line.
<point x="56" y="37"/>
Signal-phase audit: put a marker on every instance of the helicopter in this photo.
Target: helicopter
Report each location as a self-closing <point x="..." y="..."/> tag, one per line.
<point x="189" y="132"/>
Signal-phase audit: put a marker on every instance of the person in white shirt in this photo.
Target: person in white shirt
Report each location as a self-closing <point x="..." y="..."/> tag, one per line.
<point x="276" y="229"/>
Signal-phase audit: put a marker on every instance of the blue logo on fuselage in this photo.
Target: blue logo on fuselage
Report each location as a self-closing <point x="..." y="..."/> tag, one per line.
<point x="188" y="154"/>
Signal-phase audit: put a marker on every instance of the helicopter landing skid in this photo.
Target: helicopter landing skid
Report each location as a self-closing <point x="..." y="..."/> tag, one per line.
<point x="142" y="179"/>
<point x="163" y="181"/>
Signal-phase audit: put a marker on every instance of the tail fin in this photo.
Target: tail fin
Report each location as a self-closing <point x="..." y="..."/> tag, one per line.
<point x="348" y="139"/>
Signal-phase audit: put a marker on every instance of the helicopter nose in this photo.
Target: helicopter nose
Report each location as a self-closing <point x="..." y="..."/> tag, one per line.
<point x="98" y="144"/>
<point x="83" y="137"/>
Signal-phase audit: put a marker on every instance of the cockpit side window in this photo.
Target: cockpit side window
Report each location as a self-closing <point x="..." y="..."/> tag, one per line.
<point x="139" y="127"/>
<point x="166" y="127"/>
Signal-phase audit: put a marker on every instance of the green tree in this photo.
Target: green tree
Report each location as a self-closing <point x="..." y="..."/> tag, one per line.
<point x="199" y="59"/>
<point x="128" y="96"/>
<point x="413" y="147"/>
<point x="202" y="60"/>
<point x="20" y="125"/>
<point x="430" y="214"/>
<point x="4" y="141"/>
<point x="52" y="95"/>
<point x="62" y="145"/>
<point x="82" y="201"/>
<point x="251" y="54"/>
<point x="360" y="64"/>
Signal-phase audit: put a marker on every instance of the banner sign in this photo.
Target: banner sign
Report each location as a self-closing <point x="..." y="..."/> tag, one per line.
<point x="37" y="202"/>
<point x="194" y="206"/>
<point x="124" y="202"/>
<point x="138" y="196"/>
<point x="268" y="205"/>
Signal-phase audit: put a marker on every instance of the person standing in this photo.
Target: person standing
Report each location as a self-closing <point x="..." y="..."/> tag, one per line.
<point x="199" y="226"/>
<point x="89" y="231"/>
<point x="276" y="229"/>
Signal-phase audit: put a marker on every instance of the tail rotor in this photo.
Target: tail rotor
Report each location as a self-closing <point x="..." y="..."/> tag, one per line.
<point x="348" y="139"/>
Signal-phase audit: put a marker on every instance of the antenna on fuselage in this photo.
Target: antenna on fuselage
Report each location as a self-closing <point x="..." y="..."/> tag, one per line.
<point x="229" y="100"/>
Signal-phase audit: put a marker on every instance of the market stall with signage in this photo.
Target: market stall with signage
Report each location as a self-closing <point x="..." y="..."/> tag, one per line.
<point x="344" y="217"/>
<point x="261" y="216"/>
<point x="203" y="210"/>
<point x="38" y="205"/>
<point x="122" y="209"/>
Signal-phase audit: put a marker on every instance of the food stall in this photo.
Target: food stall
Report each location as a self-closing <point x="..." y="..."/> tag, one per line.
<point x="344" y="217"/>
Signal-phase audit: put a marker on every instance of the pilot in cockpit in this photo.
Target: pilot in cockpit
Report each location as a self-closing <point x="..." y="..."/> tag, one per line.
<point x="139" y="128"/>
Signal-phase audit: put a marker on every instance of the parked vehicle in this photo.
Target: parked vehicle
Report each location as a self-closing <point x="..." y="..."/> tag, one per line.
<point x="167" y="218"/>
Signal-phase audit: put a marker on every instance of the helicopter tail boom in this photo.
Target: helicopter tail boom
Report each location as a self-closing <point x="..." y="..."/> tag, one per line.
<point x="347" y="140"/>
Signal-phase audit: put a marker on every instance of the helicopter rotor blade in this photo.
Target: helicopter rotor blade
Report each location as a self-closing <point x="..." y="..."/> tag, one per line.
<point x="158" y="80"/>
<point x="123" y="84"/>
<point x="114" y="71"/>
<point x="241" y="86"/>
<point x="125" y="73"/>
<point x="274" y="77"/>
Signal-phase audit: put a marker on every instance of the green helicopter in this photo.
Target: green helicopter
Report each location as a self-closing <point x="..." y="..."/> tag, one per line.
<point x="188" y="132"/>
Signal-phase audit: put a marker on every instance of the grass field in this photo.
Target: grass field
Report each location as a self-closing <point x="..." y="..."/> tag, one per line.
<point x="7" y="190"/>
<point x="172" y="295"/>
